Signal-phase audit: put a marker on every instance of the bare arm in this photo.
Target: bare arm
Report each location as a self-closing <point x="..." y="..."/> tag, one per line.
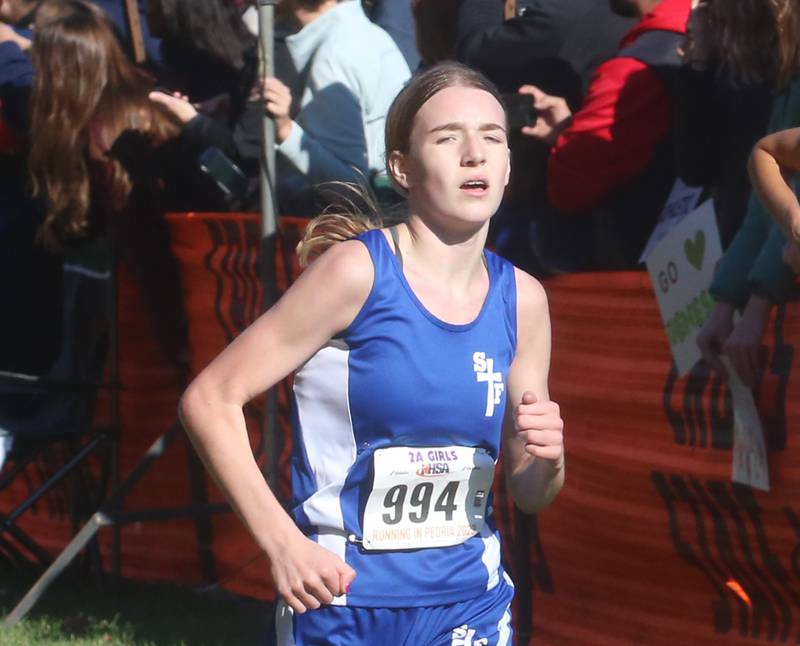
<point x="533" y="440"/>
<point x="323" y="301"/>
<point x="773" y="162"/>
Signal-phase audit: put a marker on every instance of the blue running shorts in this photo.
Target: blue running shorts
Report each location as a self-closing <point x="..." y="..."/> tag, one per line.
<point x="482" y="621"/>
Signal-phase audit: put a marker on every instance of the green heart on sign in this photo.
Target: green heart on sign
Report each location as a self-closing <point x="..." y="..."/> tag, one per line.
<point x="696" y="249"/>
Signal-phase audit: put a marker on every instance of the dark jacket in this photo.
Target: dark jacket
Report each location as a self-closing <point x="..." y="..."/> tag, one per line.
<point x="30" y="277"/>
<point x="611" y="169"/>
<point x="715" y="126"/>
<point x="753" y="263"/>
<point x="555" y="44"/>
<point x="202" y="76"/>
<point x="16" y="77"/>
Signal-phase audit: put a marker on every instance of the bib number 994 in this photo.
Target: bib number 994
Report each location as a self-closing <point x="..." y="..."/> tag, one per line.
<point x="435" y="501"/>
<point x="419" y="502"/>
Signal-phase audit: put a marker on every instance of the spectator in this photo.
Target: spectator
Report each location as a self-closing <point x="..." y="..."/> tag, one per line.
<point x="19" y="13"/>
<point x="16" y="74"/>
<point x="435" y="30"/>
<point x="117" y="13"/>
<point x="30" y="277"/>
<point x="395" y="17"/>
<point x="210" y="61"/>
<point x="206" y="49"/>
<point x="552" y="44"/>
<point x="22" y="14"/>
<point x="86" y="94"/>
<point x="104" y="157"/>
<point x="610" y="167"/>
<point x="775" y="160"/>
<point x="720" y="111"/>
<point x="752" y="275"/>
<point x="351" y="70"/>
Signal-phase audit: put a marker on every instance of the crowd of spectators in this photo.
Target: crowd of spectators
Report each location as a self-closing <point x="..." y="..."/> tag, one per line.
<point x="625" y="97"/>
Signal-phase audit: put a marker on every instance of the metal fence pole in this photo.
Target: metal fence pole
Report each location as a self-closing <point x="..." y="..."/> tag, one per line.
<point x="269" y="225"/>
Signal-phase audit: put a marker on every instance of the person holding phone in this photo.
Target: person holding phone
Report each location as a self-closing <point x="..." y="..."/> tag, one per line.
<point x="752" y="42"/>
<point x="610" y="167"/>
<point x="419" y="354"/>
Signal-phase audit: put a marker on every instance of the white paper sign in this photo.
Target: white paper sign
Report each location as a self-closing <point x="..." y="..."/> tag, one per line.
<point x="681" y="267"/>
<point x="749" y="449"/>
<point x="681" y="201"/>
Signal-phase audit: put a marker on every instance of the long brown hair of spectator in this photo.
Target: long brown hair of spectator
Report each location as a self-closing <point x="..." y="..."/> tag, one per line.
<point x="213" y="26"/>
<point x="330" y="228"/>
<point x="757" y="40"/>
<point x="86" y="93"/>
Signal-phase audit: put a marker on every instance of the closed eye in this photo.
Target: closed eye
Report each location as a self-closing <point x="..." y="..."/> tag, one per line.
<point x="442" y="140"/>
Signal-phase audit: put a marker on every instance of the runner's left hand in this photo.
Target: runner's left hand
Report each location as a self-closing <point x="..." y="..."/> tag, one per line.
<point x="539" y="425"/>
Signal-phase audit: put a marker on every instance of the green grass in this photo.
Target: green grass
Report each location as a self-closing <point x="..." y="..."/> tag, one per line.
<point x="132" y="614"/>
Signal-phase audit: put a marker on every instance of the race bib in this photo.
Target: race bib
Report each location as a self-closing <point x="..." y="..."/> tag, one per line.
<point x="426" y="497"/>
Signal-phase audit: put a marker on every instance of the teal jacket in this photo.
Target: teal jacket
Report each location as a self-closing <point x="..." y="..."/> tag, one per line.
<point x="753" y="263"/>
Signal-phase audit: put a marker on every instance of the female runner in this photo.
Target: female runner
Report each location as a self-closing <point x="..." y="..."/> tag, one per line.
<point x="418" y="352"/>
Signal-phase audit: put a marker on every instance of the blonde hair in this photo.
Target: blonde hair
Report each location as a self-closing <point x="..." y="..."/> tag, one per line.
<point x="343" y="223"/>
<point x="356" y="211"/>
<point x="328" y="229"/>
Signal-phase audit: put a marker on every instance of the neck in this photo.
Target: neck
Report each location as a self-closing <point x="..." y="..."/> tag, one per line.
<point x="305" y="15"/>
<point x="452" y="257"/>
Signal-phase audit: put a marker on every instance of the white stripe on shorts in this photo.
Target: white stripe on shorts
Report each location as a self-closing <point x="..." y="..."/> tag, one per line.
<point x="504" y="629"/>
<point x="284" y="624"/>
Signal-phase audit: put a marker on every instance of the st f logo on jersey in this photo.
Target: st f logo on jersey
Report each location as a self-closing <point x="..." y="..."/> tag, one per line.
<point x="484" y="372"/>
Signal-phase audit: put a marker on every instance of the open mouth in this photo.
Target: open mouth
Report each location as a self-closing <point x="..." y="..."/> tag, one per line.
<point x="475" y="186"/>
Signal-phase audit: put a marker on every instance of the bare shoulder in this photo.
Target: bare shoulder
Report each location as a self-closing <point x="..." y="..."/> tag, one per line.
<point x="345" y="268"/>
<point x="531" y="299"/>
<point x="333" y="288"/>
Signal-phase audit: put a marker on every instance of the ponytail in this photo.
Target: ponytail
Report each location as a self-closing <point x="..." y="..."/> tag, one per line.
<point x="349" y="217"/>
<point x="327" y="229"/>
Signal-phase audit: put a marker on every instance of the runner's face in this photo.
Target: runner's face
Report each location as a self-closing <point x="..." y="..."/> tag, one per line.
<point x="458" y="164"/>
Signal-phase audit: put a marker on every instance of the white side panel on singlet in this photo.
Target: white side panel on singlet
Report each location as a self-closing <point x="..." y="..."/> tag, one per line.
<point x="491" y="556"/>
<point x="323" y="409"/>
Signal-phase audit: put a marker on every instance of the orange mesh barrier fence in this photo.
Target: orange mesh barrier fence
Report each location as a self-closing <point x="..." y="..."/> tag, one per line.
<point x="649" y="542"/>
<point x="219" y="259"/>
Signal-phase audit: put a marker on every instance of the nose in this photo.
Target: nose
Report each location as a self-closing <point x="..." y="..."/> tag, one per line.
<point x="473" y="152"/>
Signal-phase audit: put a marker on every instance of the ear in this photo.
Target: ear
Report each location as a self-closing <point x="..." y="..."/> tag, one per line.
<point x="508" y="169"/>
<point x="398" y="168"/>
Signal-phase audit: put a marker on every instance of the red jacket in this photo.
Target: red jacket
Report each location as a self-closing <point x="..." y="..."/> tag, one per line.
<point x="614" y="134"/>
